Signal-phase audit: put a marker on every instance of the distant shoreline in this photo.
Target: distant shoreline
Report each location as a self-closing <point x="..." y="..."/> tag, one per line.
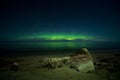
<point x="13" y="53"/>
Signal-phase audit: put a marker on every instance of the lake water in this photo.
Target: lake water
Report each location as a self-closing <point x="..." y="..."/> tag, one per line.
<point x="49" y="48"/>
<point x="58" y="45"/>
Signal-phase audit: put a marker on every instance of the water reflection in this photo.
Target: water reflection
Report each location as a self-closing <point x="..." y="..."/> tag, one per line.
<point x="57" y="45"/>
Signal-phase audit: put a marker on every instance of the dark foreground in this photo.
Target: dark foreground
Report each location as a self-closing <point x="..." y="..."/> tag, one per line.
<point x="29" y="68"/>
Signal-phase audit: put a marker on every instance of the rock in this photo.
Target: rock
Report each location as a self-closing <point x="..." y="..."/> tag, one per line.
<point x="55" y="62"/>
<point x="82" y="61"/>
<point x="85" y="66"/>
<point x="109" y="63"/>
<point x="14" y="66"/>
<point x="9" y="63"/>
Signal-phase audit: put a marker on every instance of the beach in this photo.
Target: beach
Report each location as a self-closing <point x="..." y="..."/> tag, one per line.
<point x="30" y="68"/>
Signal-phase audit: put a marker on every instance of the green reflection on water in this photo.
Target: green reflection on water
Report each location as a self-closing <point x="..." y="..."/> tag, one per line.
<point x="53" y="45"/>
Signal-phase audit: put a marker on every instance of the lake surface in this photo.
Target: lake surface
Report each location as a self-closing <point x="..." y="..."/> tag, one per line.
<point x="55" y="48"/>
<point x="58" y="45"/>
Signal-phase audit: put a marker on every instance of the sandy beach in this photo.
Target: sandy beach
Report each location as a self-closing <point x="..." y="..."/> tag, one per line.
<point x="30" y="69"/>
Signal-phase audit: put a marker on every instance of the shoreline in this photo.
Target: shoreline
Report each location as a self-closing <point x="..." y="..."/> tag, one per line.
<point x="30" y="68"/>
<point x="53" y="52"/>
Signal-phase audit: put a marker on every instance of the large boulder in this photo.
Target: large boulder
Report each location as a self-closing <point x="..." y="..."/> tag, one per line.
<point x="82" y="61"/>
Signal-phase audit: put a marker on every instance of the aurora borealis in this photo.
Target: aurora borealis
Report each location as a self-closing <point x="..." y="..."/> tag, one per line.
<point x="60" y="20"/>
<point x="57" y="37"/>
<point x="43" y="25"/>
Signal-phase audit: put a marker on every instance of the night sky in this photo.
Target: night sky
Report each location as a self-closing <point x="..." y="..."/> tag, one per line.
<point x="66" y="20"/>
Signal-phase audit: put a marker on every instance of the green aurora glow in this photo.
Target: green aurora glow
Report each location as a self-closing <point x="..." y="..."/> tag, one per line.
<point x="55" y="37"/>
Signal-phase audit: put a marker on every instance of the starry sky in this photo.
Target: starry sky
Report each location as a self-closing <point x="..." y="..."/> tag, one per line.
<point x="60" y="20"/>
